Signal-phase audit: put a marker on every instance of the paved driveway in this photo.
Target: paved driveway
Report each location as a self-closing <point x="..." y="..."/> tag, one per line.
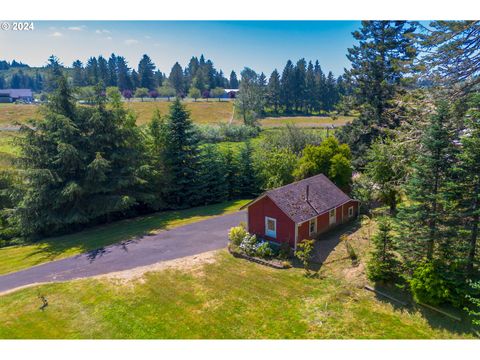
<point x="195" y="238"/>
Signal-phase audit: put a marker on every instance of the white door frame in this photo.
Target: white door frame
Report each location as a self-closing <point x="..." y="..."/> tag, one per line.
<point x="332" y="220"/>
<point x="269" y="233"/>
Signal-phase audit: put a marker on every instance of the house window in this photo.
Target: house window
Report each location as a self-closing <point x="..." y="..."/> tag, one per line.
<point x="270" y="227"/>
<point x="350" y="211"/>
<point x="332" y="216"/>
<point x="312" y="227"/>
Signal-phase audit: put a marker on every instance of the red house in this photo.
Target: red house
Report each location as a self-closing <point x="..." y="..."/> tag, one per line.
<point x="300" y="210"/>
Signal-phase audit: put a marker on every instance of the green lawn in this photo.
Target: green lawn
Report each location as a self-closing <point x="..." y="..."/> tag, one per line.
<point x="305" y="121"/>
<point x="229" y="298"/>
<point x="15" y="258"/>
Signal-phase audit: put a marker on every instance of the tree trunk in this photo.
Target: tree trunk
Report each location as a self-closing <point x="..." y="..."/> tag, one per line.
<point x="474" y="234"/>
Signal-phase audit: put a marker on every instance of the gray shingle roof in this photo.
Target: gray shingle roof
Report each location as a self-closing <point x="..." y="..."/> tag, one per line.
<point x="17" y="93"/>
<point x="323" y="196"/>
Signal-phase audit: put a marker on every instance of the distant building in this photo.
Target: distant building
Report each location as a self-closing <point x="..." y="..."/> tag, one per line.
<point x="12" y="95"/>
<point x="231" y="93"/>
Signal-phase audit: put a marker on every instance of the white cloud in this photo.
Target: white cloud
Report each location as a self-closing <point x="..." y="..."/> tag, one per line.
<point x="148" y="37"/>
<point x="131" y="41"/>
<point x="56" y="34"/>
<point x="108" y="38"/>
<point x="77" y="28"/>
<point x="102" y="31"/>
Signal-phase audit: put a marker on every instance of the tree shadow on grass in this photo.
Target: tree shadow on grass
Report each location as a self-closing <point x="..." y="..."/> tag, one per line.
<point x="435" y="319"/>
<point x="122" y="233"/>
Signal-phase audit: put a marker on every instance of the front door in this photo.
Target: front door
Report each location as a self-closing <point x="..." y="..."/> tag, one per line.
<point x="332" y="217"/>
<point x="270" y="227"/>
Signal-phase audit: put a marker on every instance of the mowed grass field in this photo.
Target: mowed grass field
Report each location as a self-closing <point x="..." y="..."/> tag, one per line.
<point x="226" y="298"/>
<point x="202" y="112"/>
<point x="19" y="257"/>
<point x="305" y="121"/>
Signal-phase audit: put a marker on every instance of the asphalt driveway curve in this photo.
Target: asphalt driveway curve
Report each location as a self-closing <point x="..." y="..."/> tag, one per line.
<point x="187" y="240"/>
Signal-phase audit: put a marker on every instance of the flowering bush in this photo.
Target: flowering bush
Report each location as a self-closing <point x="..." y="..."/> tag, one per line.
<point x="236" y="235"/>
<point x="264" y="250"/>
<point x="249" y="244"/>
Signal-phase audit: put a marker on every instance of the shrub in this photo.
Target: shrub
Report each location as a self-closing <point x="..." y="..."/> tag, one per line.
<point x="428" y="286"/>
<point x="304" y="253"/>
<point x="226" y="132"/>
<point x="249" y="244"/>
<point x="352" y="254"/>
<point x="236" y="235"/>
<point x="264" y="250"/>
<point x="285" y="251"/>
<point x="382" y="264"/>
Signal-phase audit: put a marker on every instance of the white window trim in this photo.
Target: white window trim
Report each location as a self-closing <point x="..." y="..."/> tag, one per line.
<point x="269" y="232"/>
<point x="310" y="233"/>
<point x="350" y="211"/>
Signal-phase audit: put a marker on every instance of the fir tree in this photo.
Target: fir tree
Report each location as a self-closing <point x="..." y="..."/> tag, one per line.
<point x="380" y="62"/>
<point x="181" y="158"/>
<point x="233" y="82"/>
<point x="176" y="79"/>
<point x="213" y="187"/>
<point x="146" y="70"/>
<point x="274" y="91"/>
<point x="424" y="218"/>
<point x="382" y="264"/>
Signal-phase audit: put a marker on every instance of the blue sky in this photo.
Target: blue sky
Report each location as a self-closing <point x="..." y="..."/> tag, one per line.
<point x="261" y="45"/>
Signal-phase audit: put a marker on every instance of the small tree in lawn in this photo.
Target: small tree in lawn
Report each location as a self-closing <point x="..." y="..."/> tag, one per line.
<point x="153" y="94"/>
<point x="218" y="92"/>
<point x="206" y="94"/>
<point x="382" y="264"/>
<point x="194" y="93"/>
<point x="127" y="94"/>
<point x="141" y="93"/>
<point x="304" y="254"/>
<point x="166" y="91"/>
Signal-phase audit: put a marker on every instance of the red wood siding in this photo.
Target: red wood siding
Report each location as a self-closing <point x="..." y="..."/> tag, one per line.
<point x="256" y="221"/>
<point x="323" y="224"/>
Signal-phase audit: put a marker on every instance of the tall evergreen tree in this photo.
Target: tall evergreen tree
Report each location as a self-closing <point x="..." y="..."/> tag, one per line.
<point x="274" y="91"/>
<point x="380" y="62"/>
<point x="123" y="74"/>
<point x="213" y="187"/>
<point x="81" y="165"/>
<point x="112" y="70"/>
<point x="310" y="88"/>
<point x="78" y="75"/>
<point x="146" y="70"/>
<point x="288" y="86"/>
<point x="103" y="75"/>
<point x="248" y="182"/>
<point x="299" y="84"/>
<point x="176" y="79"/>
<point x="91" y="69"/>
<point x="464" y="188"/>
<point x="181" y="158"/>
<point x="233" y="82"/>
<point x="423" y="220"/>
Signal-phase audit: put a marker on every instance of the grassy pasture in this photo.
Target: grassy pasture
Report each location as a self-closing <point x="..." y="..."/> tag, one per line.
<point x="305" y="121"/>
<point x="202" y="112"/>
<point x="227" y="299"/>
